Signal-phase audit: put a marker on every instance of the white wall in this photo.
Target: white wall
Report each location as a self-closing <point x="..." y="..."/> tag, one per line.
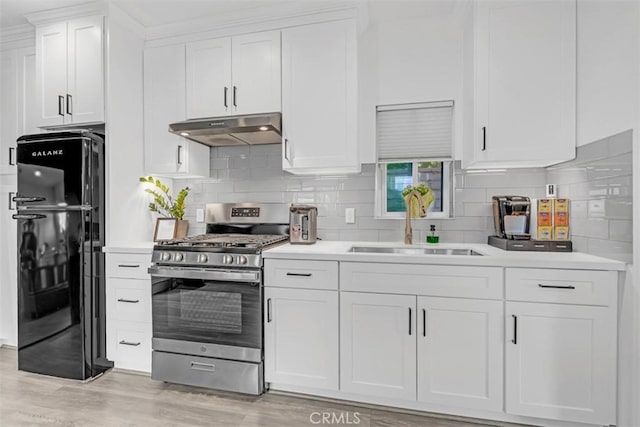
<point x="605" y="68"/>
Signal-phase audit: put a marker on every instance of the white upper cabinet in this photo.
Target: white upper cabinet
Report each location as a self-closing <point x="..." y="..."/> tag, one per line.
<point x="164" y="103"/>
<point x="319" y="98"/>
<point x="234" y="75"/>
<point x="525" y="84"/>
<point x="17" y="104"/>
<point x="70" y="72"/>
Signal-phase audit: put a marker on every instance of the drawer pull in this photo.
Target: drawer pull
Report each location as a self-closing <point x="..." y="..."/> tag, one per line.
<point x="132" y="301"/>
<point x="132" y="344"/>
<point x="129" y="265"/>
<point x="207" y="367"/>
<point x="556" y="286"/>
<point x="299" y="274"/>
<point x="515" y="329"/>
<point x="268" y="310"/>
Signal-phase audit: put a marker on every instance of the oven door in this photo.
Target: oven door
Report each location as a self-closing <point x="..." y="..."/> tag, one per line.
<point x="215" y="313"/>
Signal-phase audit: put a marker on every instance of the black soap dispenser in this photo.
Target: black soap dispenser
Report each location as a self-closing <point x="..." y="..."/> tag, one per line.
<point x="432" y="238"/>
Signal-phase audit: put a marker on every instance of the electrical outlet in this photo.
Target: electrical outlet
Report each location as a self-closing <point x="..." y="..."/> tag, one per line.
<point x="551" y="191"/>
<point x="199" y="215"/>
<point x="350" y="215"/>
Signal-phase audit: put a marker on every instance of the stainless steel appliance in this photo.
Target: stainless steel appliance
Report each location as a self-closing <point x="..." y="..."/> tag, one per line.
<point x="233" y="130"/>
<point x="303" y="221"/>
<point x="208" y="297"/>
<point x="61" y="304"/>
<point x="511" y="216"/>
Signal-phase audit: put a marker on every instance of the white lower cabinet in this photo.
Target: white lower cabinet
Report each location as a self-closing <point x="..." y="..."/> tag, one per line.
<point x="301" y="337"/>
<point x="560" y="362"/>
<point x="460" y="352"/>
<point x="128" y="295"/>
<point x="378" y="345"/>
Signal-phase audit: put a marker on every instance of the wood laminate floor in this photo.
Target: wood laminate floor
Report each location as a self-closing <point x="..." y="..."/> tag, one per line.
<point x="124" y="399"/>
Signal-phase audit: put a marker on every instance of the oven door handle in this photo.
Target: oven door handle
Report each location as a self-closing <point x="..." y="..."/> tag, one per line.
<point x="197" y="273"/>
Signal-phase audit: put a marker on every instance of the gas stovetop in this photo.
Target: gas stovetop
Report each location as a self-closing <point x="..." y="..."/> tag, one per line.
<point x="215" y="250"/>
<point x="257" y="241"/>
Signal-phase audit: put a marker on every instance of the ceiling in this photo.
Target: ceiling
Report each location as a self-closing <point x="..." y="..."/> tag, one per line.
<point x="151" y="13"/>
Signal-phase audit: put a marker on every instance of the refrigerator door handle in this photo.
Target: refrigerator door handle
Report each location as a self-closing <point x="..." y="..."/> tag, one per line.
<point x="55" y="208"/>
<point x="28" y="199"/>
<point x="28" y="216"/>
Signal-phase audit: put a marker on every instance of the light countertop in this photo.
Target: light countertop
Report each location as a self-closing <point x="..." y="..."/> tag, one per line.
<point x="340" y="251"/>
<point x="129" y="248"/>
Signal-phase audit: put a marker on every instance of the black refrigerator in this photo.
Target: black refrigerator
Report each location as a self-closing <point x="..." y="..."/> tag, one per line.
<point x="61" y="284"/>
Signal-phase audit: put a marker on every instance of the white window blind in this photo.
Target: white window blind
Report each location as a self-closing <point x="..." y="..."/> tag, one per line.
<point x="414" y="131"/>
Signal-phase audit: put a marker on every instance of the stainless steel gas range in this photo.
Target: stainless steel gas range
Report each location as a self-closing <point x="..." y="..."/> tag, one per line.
<point x="208" y="298"/>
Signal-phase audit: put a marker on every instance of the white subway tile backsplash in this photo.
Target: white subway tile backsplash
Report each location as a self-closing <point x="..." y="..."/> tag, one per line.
<point x="598" y="181"/>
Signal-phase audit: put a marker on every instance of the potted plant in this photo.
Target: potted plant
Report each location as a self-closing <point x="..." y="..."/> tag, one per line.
<point x="172" y="224"/>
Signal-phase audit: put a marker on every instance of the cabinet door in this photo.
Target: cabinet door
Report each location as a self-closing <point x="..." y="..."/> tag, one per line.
<point x="301" y="337"/>
<point x="27" y="113"/>
<point x="209" y="91"/>
<point x="560" y="362"/>
<point x="319" y="92"/>
<point x="84" y="98"/>
<point x="51" y="70"/>
<point x="526" y="74"/>
<point x="164" y="103"/>
<point x="8" y="264"/>
<point x="378" y="345"/>
<point x="8" y="112"/>
<point x="256" y="73"/>
<point x="460" y="352"/>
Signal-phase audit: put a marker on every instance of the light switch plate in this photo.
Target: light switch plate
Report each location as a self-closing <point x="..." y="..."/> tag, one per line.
<point x="199" y="215"/>
<point x="551" y="191"/>
<point x="350" y="215"/>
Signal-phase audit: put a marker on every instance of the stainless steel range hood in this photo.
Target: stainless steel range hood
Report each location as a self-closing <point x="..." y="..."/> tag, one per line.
<point x="233" y="130"/>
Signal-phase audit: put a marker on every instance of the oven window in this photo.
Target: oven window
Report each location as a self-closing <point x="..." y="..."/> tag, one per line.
<point x="225" y="313"/>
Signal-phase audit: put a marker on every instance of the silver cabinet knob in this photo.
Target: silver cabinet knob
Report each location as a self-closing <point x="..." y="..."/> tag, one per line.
<point x="241" y="260"/>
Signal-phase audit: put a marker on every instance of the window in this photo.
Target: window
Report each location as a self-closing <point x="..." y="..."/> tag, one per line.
<point x="392" y="178"/>
<point x="414" y="145"/>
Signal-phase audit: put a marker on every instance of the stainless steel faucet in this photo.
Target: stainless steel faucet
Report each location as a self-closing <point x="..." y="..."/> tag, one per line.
<point x="408" y="232"/>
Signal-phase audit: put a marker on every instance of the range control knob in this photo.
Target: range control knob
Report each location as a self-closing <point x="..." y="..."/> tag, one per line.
<point x="227" y="259"/>
<point x="165" y="256"/>
<point x="203" y="258"/>
<point x="242" y="260"/>
<point x="178" y="256"/>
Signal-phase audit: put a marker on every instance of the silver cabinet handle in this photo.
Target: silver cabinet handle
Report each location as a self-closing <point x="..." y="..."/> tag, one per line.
<point x="515" y="329"/>
<point x="540" y="285"/>
<point x="69" y="105"/>
<point x="179" y="154"/>
<point x="286" y="149"/>
<point x="268" y="310"/>
<point x="235" y="96"/>
<point x="129" y="265"/>
<point x="11" y="194"/>
<point x="131" y="301"/>
<point x="226" y="105"/>
<point x="299" y="274"/>
<point x="61" y="105"/>
<point x="11" y="151"/>
<point x="207" y="367"/>
<point x="132" y="344"/>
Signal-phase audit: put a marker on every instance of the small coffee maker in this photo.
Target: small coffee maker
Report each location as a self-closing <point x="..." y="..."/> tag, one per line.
<point x="303" y="228"/>
<point x="512" y="216"/>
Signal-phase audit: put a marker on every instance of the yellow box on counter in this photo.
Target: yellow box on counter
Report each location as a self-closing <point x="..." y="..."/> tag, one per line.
<point x="560" y="232"/>
<point x="545" y="232"/>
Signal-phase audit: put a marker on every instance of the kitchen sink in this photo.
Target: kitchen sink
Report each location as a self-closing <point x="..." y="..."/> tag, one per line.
<point x="414" y="251"/>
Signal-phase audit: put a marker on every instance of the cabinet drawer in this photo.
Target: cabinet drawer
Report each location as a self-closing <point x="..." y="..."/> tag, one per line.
<point x="301" y="274"/>
<point x="129" y="345"/>
<point x="129" y="299"/>
<point x="132" y="266"/>
<point x="562" y="286"/>
<point x="430" y="280"/>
